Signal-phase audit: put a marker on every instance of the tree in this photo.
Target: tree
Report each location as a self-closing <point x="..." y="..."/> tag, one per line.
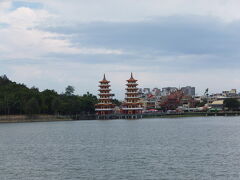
<point x="35" y="89"/>
<point x="69" y="90"/>
<point x="116" y="102"/>
<point x="88" y="102"/>
<point x="231" y="104"/>
<point x="19" y="99"/>
<point x="47" y="98"/>
<point x="32" y="106"/>
<point x="4" y="80"/>
<point x="55" y="106"/>
<point x="201" y="104"/>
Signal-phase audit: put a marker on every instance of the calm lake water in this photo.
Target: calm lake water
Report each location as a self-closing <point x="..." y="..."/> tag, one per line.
<point x="184" y="148"/>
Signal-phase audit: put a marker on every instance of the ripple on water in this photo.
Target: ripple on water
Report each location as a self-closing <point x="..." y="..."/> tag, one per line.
<point x="186" y="148"/>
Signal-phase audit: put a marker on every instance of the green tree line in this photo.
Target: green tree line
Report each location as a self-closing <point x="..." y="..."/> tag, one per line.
<point x="19" y="99"/>
<point x="231" y="104"/>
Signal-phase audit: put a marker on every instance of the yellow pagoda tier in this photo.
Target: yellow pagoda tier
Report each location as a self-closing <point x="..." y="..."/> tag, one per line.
<point x="132" y="104"/>
<point x="105" y="105"/>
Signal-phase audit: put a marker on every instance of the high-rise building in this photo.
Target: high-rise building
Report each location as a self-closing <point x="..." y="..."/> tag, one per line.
<point x="156" y="92"/>
<point x="105" y="105"/>
<point x="146" y="90"/>
<point x="188" y="90"/>
<point x="168" y="90"/>
<point x="132" y="104"/>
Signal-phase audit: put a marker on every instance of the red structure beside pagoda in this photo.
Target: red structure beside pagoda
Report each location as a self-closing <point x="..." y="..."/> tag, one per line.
<point x="132" y="107"/>
<point x="105" y="105"/>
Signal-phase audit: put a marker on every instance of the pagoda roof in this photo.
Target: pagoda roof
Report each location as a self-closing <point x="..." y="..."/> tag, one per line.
<point x="131" y="78"/>
<point x="136" y="97"/>
<point x="104" y="104"/>
<point x="131" y="103"/>
<point x="104" y="89"/>
<point x="131" y="84"/>
<point x="132" y="93"/>
<point x="104" y="79"/>
<point x="104" y="85"/>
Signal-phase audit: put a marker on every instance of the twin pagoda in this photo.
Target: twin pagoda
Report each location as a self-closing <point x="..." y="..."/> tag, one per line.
<point x="105" y="105"/>
<point x="131" y="107"/>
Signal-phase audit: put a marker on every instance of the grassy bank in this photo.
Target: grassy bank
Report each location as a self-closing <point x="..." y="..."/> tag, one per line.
<point x="32" y="118"/>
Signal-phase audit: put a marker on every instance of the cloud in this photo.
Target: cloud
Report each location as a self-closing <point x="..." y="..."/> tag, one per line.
<point x="139" y="10"/>
<point x="192" y="35"/>
<point x="5" y="4"/>
<point x="22" y="37"/>
<point x="24" y="17"/>
<point x="176" y="42"/>
<point x="52" y="44"/>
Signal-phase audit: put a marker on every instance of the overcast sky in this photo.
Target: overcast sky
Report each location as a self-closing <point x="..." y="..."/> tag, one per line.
<point x="55" y="43"/>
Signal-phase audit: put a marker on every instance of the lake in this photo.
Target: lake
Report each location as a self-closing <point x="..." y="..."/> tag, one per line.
<point x="179" y="148"/>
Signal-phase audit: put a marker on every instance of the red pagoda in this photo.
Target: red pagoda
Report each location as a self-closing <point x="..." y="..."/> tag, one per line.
<point x="104" y="108"/>
<point x="132" y="107"/>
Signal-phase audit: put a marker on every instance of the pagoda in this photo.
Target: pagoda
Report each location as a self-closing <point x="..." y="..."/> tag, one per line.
<point x="132" y="107"/>
<point x="104" y="108"/>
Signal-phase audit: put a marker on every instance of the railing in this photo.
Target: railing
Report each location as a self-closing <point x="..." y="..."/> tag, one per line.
<point x="103" y="109"/>
<point x="136" y="108"/>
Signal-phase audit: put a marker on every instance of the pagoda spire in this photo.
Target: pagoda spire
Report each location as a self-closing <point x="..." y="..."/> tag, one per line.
<point x="104" y="77"/>
<point x="131" y="75"/>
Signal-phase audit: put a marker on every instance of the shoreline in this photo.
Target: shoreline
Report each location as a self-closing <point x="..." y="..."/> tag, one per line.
<point x="193" y="114"/>
<point x="54" y="118"/>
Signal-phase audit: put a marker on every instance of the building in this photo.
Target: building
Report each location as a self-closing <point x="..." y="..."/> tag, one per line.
<point x="105" y="105"/>
<point x="156" y="92"/>
<point x="149" y="102"/>
<point x="172" y="101"/>
<point x="188" y="101"/>
<point x="231" y="93"/>
<point x="188" y="90"/>
<point x="132" y="107"/>
<point x="177" y="99"/>
<point x="168" y="90"/>
<point x="217" y="105"/>
<point x="140" y="92"/>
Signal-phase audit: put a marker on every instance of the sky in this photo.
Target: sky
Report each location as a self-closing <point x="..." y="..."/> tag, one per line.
<point x="53" y="44"/>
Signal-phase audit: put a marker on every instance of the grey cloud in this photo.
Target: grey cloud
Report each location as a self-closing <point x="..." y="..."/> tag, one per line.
<point x="182" y="42"/>
<point x="181" y="35"/>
